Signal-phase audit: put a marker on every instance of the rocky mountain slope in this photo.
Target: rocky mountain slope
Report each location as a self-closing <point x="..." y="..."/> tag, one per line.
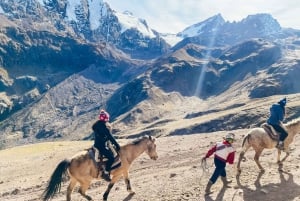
<point x="93" y="21"/>
<point x="55" y="76"/>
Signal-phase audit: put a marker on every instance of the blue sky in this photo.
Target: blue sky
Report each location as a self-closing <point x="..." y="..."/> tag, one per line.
<point x="172" y="16"/>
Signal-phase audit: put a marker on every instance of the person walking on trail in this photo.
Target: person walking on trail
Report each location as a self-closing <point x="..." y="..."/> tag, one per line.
<point x="224" y="153"/>
<point x="102" y="131"/>
<point x="277" y="114"/>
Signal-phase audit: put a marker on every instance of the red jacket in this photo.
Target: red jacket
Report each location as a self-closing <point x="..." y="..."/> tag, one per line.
<point x="223" y="151"/>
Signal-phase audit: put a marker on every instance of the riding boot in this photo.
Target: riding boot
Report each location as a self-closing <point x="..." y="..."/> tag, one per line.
<point x="106" y="175"/>
<point x="207" y="189"/>
<point x="280" y="145"/>
<point x="103" y="173"/>
<point x="226" y="182"/>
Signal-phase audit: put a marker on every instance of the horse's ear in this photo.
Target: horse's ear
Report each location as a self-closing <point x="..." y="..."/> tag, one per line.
<point x="151" y="138"/>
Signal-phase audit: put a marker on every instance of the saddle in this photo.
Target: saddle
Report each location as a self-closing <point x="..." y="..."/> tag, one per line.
<point x="274" y="135"/>
<point x="102" y="164"/>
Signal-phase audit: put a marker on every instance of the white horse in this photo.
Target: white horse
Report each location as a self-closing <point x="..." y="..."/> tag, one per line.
<point x="259" y="139"/>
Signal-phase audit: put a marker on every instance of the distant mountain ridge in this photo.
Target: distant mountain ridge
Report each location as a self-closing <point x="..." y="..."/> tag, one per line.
<point x="216" y="32"/>
<point x="95" y="21"/>
<point x="207" y="26"/>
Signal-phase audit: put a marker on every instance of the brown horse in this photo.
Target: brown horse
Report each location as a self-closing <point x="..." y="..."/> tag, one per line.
<point x="259" y="139"/>
<point x="82" y="169"/>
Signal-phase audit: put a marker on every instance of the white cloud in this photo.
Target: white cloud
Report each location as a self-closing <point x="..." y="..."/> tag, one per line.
<point x="175" y="15"/>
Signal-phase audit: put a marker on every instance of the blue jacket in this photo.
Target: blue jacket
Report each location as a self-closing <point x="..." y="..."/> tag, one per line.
<point x="277" y="113"/>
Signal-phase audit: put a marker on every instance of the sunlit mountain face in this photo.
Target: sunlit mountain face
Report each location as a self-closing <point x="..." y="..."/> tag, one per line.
<point x="62" y="60"/>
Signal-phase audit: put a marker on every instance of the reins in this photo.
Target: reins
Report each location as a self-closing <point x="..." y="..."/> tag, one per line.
<point x="204" y="166"/>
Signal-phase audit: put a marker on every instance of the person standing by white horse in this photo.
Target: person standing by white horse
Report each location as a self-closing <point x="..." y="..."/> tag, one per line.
<point x="224" y="153"/>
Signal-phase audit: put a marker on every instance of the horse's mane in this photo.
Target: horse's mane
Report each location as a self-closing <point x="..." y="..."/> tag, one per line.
<point x="138" y="140"/>
<point x="293" y="122"/>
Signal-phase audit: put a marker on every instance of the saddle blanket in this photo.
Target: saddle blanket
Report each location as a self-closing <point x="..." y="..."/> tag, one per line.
<point x="271" y="131"/>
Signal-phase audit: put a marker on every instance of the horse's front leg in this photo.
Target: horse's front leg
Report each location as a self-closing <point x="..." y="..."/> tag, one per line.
<point x="127" y="182"/>
<point x="287" y="153"/>
<point x="280" y="162"/>
<point x="109" y="187"/>
<point x="278" y="156"/>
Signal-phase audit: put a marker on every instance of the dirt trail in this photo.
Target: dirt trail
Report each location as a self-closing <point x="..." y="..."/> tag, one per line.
<point x="176" y="175"/>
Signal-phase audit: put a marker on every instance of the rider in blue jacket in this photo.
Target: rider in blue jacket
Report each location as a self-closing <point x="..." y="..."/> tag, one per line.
<point x="277" y="113"/>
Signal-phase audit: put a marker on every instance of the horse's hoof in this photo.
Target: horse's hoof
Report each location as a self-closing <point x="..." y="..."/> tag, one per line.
<point x="280" y="166"/>
<point x="244" y="159"/>
<point x="131" y="192"/>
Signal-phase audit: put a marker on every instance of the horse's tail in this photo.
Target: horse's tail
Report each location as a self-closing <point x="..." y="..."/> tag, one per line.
<point x="246" y="138"/>
<point x="242" y="154"/>
<point x="56" y="179"/>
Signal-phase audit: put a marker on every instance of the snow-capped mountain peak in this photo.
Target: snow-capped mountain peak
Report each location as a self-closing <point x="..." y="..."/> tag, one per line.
<point x="211" y="23"/>
<point x="128" y="21"/>
<point x="94" y="9"/>
<point x="263" y="22"/>
<point x="97" y="11"/>
<point x="92" y="20"/>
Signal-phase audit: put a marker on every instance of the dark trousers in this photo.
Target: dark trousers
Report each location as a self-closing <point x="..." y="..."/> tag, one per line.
<point x="282" y="132"/>
<point x="108" y="154"/>
<point x="219" y="171"/>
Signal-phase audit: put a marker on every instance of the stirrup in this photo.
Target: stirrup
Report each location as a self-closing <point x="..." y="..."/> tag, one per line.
<point x="280" y="146"/>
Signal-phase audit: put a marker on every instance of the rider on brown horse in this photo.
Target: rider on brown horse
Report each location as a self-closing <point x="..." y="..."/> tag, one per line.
<point x="277" y="113"/>
<point x="103" y="134"/>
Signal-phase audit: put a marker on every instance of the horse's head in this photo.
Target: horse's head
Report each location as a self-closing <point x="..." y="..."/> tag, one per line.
<point x="151" y="148"/>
